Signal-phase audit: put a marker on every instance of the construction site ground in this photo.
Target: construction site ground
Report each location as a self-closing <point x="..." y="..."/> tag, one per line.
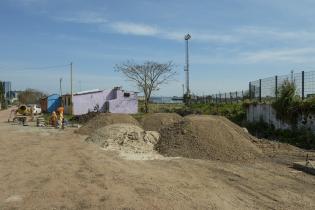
<point x="42" y="168"/>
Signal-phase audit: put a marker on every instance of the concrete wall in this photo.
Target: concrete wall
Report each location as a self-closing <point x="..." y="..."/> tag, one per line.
<point x="124" y="104"/>
<point x="113" y="101"/>
<point x="265" y="112"/>
<point x="85" y="103"/>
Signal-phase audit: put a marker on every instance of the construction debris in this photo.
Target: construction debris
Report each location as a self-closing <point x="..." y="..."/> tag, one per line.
<point x="40" y="122"/>
<point x="129" y="140"/>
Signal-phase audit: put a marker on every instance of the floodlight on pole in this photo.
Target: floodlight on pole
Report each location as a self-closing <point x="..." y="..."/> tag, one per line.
<point x="187" y="37"/>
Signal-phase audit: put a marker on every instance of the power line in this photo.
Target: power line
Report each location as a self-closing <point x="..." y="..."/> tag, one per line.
<point x="57" y="67"/>
<point x="48" y="67"/>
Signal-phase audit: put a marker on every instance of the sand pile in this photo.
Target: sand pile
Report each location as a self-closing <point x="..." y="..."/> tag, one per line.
<point x="154" y="122"/>
<point x="105" y="119"/>
<point x="207" y="137"/>
<point x="130" y="141"/>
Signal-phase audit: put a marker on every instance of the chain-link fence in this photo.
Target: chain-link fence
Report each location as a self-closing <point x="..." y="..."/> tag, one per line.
<point x="266" y="89"/>
<point x="229" y="97"/>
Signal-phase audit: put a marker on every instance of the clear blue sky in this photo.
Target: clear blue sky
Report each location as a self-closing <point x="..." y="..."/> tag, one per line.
<point x="233" y="41"/>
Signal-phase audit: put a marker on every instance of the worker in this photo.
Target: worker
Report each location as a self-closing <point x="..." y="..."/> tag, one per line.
<point x="60" y="120"/>
<point x="32" y="110"/>
<point x="53" y="119"/>
<point x="60" y="111"/>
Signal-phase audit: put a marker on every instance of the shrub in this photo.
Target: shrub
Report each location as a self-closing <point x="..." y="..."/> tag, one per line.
<point x="287" y="105"/>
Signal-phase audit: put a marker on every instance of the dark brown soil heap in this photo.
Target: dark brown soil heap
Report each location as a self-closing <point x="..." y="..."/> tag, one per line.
<point x="82" y="119"/>
<point x="206" y="137"/>
<point x="105" y="119"/>
<point x="156" y="121"/>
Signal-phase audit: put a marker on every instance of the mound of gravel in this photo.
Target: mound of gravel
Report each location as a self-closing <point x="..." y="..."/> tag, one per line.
<point x="126" y="138"/>
<point x="156" y="121"/>
<point x="105" y="119"/>
<point x="207" y="137"/>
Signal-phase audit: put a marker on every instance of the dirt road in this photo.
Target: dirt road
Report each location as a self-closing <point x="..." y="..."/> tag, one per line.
<point x="52" y="169"/>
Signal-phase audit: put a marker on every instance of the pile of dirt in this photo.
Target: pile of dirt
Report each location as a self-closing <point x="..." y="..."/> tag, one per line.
<point x="129" y="140"/>
<point x="105" y="119"/>
<point x="207" y="137"/>
<point x="156" y="121"/>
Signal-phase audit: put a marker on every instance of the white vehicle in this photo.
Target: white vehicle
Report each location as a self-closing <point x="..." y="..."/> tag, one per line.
<point x="36" y="108"/>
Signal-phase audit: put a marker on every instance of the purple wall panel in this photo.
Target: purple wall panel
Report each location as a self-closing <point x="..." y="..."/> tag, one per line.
<point x="118" y="103"/>
<point x="87" y="102"/>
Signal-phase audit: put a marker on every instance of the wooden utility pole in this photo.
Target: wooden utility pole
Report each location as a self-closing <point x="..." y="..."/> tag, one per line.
<point x="60" y="81"/>
<point x="71" y="90"/>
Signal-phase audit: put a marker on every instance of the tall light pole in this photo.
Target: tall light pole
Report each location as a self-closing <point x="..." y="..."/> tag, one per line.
<point x="187" y="37"/>
<point x="60" y="83"/>
<point x="71" y="90"/>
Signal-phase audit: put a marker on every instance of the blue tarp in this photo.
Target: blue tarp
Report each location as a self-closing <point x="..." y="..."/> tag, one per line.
<point x="53" y="102"/>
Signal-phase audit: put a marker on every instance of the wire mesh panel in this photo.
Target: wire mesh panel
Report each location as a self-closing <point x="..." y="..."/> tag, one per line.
<point x="309" y="83"/>
<point x="282" y="79"/>
<point x="254" y="89"/>
<point x="268" y="87"/>
<point x="297" y="79"/>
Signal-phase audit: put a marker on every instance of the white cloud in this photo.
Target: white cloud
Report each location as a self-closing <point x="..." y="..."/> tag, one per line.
<point x="84" y="17"/>
<point x="134" y="29"/>
<point x="290" y="55"/>
<point x="140" y="29"/>
<point x="148" y="30"/>
<point x="276" y="34"/>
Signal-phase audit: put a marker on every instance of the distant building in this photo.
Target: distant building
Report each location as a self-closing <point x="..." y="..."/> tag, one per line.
<point x="14" y="96"/>
<point x="113" y="101"/>
<point x="50" y="103"/>
<point x="7" y="89"/>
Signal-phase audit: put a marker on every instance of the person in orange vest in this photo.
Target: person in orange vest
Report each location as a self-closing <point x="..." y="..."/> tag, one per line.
<point x="60" y="111"/>
<point x="53" y="119"/>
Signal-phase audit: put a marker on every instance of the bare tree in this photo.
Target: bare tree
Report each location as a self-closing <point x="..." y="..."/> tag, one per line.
<point x="30" y="96"/>
<point x="148" y="76"/>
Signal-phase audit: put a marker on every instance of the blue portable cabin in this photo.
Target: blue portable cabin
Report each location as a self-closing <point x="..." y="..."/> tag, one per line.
<point x="50" y="103"/>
